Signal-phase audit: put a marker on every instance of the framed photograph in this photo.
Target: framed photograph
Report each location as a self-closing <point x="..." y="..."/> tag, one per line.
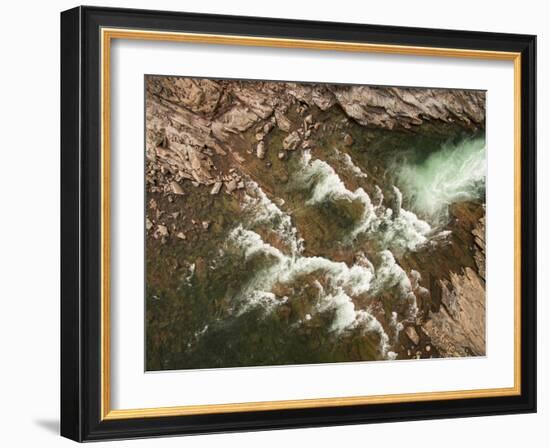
<point x="276" y="224"/>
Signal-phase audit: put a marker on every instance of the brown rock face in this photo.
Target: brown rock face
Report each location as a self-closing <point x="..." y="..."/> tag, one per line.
<point x="454" y="313"/>
<point x="457" y="329"/>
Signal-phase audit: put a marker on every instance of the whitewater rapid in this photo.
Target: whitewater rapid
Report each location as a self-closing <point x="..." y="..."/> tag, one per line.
<point x="338" y="285"/>
<point x="349" y="294"/>
<point x="454" y="173"/>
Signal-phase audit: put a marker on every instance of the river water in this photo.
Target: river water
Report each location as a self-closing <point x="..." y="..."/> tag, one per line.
<point x="304" y="271"/>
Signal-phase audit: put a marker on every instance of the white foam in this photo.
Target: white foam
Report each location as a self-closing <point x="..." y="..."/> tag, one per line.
<point x="341" y="284"/>
<point x="402" y="230"/>
<point x="454" y="173"/>
<point x="263" y="210"/>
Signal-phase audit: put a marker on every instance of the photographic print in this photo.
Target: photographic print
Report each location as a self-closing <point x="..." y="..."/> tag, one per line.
<point x="301" y="223"/>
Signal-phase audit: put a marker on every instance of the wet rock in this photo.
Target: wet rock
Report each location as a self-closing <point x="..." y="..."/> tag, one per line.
<point x="261" y="150"/>
<point x="267" y="127"/>
<point x="283" y="123"/>
<point x="291" y="142"/>
<point x="216" y="188"/>
<point x="231" y="186"/>
<point x="348" y="140"/>
<point x="176" y="188"/>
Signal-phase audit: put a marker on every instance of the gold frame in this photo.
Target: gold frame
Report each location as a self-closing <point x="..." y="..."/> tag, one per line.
<point x="107" y="35"/>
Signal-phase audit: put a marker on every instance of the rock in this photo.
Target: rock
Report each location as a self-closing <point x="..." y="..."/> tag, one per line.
<point x="205" y="225"/>
<point x="291" y="142"/>
<point x="231" y="186"/>
<point x="412" y="335"/>
<point x="283" y="123"/>
<point x="348" y="140"/>
<point x="181" y="236"/>
<point x="162" y="230"/>
<point x="408" y="107"/>
<point x="175" y="215"/>
<point x="259" y="136"/>
<point x="458" y="328"/>
<point x="267" y="127"/>
<point x="281" y="155"/>
<point x="148" y="224"/>
<point x="216" y="188"/>
<point x="240" y="185"/>
<point x="261" y="150"/>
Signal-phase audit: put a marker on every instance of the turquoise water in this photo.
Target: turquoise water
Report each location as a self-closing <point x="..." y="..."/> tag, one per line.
<point x="452" y="174"/>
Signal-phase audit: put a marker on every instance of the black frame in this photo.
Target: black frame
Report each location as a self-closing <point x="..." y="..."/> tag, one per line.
<point x="80" y="223"/>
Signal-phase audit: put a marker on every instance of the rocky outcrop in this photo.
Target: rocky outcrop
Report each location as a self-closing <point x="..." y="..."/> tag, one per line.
<point x="452" y="302"/>
<point x="458" y="327"/>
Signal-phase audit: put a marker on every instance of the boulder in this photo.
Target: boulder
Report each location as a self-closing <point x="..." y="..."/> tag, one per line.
<point x="261" y="150"/>
<point x="291" y="142"/>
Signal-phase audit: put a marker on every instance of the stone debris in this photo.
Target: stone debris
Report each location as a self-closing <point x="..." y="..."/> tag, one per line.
<point x="291" y="142"/>
<point x="231" y="186"/>
<point x="348" y="140"/>
<point x="261" y="150"/>
<point x="162" y="230"/>
<point x="216" y="188"/>
<point x="283" y="123"/>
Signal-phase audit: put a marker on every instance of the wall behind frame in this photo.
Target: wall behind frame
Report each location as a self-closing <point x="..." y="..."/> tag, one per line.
<point x="29" y="220"/>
